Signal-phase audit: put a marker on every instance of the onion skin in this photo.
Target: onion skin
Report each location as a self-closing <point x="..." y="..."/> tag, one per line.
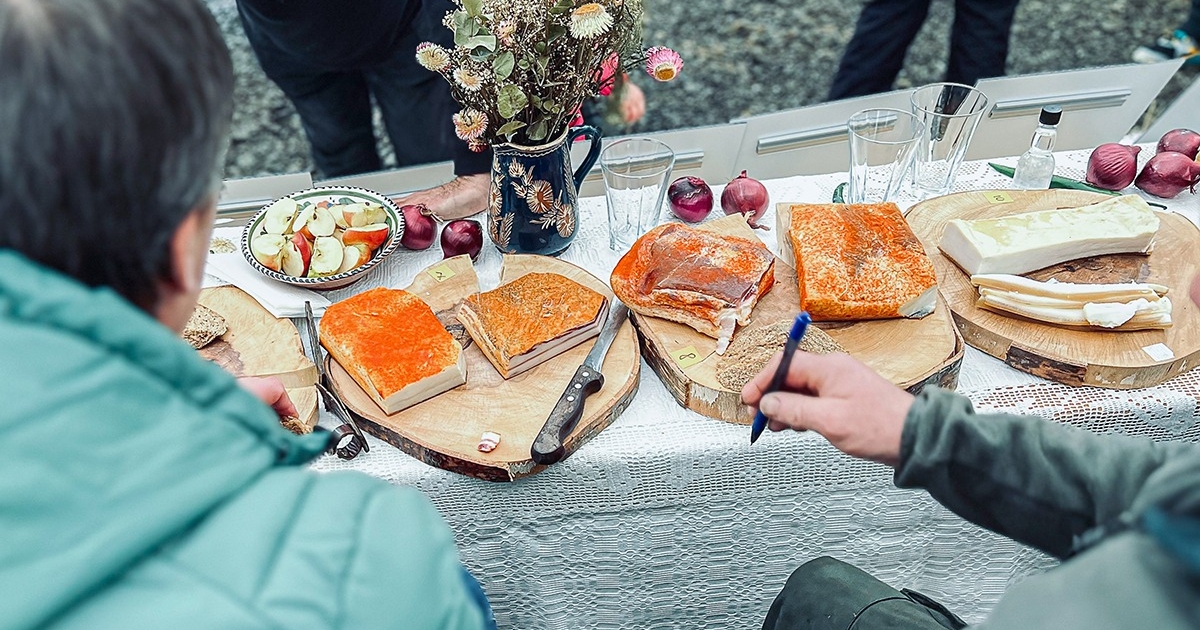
<point x="420" y="227"/>
<point x="745" y="196"/>
<point x="463" y="236"/>
<point x="1183" y="141"/>
<point x="1112" y="166"/>
<point x="1167" y="174"/>
<point x="690" y="199"/>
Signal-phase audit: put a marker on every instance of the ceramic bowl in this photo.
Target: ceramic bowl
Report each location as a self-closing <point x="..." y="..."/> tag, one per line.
<point x="336" y="197"/>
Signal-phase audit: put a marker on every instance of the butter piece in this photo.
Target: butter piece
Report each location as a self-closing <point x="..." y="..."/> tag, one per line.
<point x="1021" y="243"/>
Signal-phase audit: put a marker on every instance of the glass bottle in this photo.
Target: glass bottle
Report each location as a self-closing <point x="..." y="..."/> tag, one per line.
<point x="1036" y="166"/>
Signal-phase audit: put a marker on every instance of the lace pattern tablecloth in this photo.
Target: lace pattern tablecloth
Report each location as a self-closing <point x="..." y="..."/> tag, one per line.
<point x="668" y="519"/>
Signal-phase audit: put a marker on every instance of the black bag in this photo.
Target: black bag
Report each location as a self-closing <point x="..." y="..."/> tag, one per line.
<point x="828" y="594"/>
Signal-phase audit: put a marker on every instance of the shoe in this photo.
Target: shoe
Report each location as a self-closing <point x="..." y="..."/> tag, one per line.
<point x="1173" y="46"/>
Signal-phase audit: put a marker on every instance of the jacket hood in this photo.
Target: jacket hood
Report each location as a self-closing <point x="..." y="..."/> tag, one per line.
<point x="115" y="438"/>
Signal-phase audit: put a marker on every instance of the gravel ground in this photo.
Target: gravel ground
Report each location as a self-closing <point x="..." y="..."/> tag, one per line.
<point x="744" y="58"/>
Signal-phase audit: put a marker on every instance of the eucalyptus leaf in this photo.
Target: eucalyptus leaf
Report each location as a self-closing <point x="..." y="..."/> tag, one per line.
<point x="510" y="100"/>
<point x="487" y="42"/>
<point x="540" y="48"/>
<point x="537" y="132"/>
<point x="509" y="128"/>
<point x="523" y="63"/>
<point x="554" y="32"/>
<point x="474" y="7"/>
<point x="502" y="65"/>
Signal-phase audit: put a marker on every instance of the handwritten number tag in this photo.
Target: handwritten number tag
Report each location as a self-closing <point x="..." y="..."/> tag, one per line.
<point x="997" y="197"/>
<point x="687" y="357"/>
<point x="441" y="273"/>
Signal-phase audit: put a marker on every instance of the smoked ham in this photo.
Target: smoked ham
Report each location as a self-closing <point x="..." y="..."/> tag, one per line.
<point x="532" y="319"/>
<point x="393" y="346"/>
<point x="860" y="261"/>
<point x="705" y="280"/>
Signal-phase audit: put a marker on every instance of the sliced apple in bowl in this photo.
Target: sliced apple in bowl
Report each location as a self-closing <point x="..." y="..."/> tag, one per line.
<point x="296" y="256"/>
<point x="326" y="258"/>
<point x="279" y="216"/>
<point x="353" y="257"/>
<point x="268" y="250"/>
<point x="372" y="235"/>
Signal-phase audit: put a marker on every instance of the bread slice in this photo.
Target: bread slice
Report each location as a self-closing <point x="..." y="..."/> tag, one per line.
<point x="860" y="261"/>
<point x="393" y="346"/>
<point x="204" y="327"/>
<point x="532" y="319"/>
<point x="705" y="280"/>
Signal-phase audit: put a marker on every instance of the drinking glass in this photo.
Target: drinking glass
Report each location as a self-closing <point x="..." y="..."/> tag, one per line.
<point x="636" y="173"/>
<point x="948" y="112"/>
<point x="883" y="144"/>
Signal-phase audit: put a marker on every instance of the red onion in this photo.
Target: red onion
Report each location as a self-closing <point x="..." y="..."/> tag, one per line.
<point x="691" y="199"/>
<point x="1112" y="166"/>
<point x="1167" y="174"/>
<point x="419" y="227"/>
<point x="1183" y="141"/>
<point x="745" y="196"/>
<point x="463" y="236"/>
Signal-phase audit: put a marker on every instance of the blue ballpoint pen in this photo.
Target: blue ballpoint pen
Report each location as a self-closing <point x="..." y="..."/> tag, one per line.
<point x="799" y="327"/>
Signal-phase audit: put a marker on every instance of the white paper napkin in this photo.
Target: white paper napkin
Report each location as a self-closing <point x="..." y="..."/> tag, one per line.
<point x="282" y="300"/>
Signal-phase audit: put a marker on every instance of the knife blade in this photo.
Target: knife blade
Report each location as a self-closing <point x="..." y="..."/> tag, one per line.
<point x="347" y="440"/>
<point x="548" y="445"/>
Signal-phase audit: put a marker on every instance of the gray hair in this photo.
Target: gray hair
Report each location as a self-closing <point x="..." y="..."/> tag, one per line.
<point x="114" y="118"/>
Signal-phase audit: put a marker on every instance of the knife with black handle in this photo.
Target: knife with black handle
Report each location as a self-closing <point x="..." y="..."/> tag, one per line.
<point x="548" y="445"/>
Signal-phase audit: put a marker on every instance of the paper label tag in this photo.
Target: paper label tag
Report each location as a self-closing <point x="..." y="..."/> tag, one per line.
<point x="996" y="197"/>
<point x="441" y="273"/>
<point x="687" y="357"/>
<point x="1159" y="352"/>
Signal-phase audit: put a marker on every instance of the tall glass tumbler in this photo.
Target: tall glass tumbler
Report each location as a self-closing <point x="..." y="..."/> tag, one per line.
<point x="636" y="173"/>
<point x="883" y="143"/>
<point x="949" y="112"/>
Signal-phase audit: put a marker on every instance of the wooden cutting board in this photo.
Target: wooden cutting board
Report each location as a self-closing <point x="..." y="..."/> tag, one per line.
<point x="259" y="344"/>
<point x="1117" y="360"/>
<point x="444" y="431"/>
<point x="908" y="352"/>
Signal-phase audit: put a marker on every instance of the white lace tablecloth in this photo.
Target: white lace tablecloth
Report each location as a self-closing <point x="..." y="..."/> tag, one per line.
<point x="668" y="519"/>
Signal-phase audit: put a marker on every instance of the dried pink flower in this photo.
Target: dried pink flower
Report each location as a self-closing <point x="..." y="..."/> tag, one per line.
<point x="662" y="63"/>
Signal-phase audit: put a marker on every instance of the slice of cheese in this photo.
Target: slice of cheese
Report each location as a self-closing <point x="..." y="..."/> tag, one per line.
<point x="394" y="347"/>
<point x="1021" y="243"/>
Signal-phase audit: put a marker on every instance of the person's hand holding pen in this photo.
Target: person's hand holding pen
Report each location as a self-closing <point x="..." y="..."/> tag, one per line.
<point x="858" y="411"/>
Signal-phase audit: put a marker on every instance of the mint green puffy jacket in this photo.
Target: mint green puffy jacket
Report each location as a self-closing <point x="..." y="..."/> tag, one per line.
<point x="140" y="487"/>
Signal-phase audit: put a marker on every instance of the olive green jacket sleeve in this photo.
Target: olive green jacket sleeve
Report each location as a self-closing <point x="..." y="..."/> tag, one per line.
<point x="1048" y="485"/>
<point x="1036" y="481"/>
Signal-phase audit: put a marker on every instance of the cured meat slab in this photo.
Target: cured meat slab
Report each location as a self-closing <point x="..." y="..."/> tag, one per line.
<point x="445" y="430"/>
<point x="1116" y="360"/>
<point x="910" y="353"/>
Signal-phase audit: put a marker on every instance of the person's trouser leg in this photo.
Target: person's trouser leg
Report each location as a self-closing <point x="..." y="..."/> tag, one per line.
<point x="876" y="51"/>
<point x="334" y="108"/>
<point x="1191" y="26"/>
<point x="979" y="39"/>
<point x="416" y="103"/>
<point x="827" y="594"/>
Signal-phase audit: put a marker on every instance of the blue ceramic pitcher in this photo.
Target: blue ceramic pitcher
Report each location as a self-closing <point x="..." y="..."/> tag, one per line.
<point x="532" y="208"/>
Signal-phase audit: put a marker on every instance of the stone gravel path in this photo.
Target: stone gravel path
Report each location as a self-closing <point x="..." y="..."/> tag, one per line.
<point x="745" y="57"/>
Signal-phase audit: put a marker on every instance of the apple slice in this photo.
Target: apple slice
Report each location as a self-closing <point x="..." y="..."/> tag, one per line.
<point x="321" y="224"/>
<point x="279" y="216"/>
<point x="303" y="216"/>
<point x="267" y="249"/>
<point x="354" y="256"/>
<point x="360" y="214"/>
<point x="372" y="235"/>
<point x="296" y="256"/>
<point x="326" y="258"/>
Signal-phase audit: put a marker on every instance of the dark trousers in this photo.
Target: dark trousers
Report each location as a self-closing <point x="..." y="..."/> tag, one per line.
<point x="827" y="594"/>
<point x="334" y="104"/>
<point x="1192" y="25"/>
<point x="886" y="28"/>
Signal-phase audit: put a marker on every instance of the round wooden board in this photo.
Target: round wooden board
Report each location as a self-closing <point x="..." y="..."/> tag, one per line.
<point x="908" y="352"/>
<point x="1117" y="360"/>
<point x="260" y="344"/>
<point x="444" y="431"/>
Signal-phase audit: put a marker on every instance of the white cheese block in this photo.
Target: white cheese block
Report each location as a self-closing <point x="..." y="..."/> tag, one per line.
<point x="1021" y="243"/>
<point x="449" y="378"/>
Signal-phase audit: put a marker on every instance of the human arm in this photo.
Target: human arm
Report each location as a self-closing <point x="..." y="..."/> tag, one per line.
<point x="1035" y="481"/>
<point x="463" y="196"/>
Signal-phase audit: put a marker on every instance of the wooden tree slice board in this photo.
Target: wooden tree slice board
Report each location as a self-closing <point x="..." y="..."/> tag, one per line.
<point x="259" y="344"/>
<point x="908" y="352"/>
<point x="444" y="431"/>
<point x="1117" y="360"/>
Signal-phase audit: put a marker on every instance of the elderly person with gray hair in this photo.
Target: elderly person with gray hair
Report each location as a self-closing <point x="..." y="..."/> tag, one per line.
<point x="140" y="485"/>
